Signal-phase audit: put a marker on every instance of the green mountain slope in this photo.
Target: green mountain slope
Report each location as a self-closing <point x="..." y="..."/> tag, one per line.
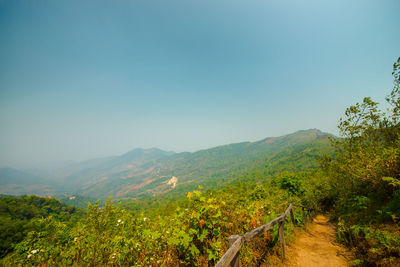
<point x="213" y="167"/>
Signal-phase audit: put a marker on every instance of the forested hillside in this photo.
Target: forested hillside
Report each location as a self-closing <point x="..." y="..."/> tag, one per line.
<point x="21" y="215"/>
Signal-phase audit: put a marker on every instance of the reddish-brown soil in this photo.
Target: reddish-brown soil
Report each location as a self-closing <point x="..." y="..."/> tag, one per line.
<point x="316" y="246"/>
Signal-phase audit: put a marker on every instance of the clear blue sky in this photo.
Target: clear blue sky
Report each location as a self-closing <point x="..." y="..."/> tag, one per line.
<point x="83" y="79"/>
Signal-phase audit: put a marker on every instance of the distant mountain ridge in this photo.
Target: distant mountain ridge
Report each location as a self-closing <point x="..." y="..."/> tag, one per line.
<point x="146" y="172"/>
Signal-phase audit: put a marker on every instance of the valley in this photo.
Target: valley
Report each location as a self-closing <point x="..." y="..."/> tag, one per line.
<point x="153" y="172"/>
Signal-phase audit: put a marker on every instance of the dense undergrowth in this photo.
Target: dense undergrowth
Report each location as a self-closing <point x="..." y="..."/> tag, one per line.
<point x="21" y="215"/>
<point x="195" y="233"/>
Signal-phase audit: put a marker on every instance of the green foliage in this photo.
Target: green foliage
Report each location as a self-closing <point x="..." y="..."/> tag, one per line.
<point x="193" y="233"/>
<point x="377" y="245"/>
<point x="21" y="215"/>
<point x="362" y="182"/>
<point x="79" y="201"/>
<point x="293" y="182"/>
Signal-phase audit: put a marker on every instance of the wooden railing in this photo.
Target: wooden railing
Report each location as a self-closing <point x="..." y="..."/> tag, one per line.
<point x="232" y="255"/>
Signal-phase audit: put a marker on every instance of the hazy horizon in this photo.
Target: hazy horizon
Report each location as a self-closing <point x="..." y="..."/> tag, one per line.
<point x="62" y="164"/>
<point x="81" y="80"/>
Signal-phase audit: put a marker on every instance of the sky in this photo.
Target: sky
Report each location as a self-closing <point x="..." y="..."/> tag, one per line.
<point x="86" y="79"/>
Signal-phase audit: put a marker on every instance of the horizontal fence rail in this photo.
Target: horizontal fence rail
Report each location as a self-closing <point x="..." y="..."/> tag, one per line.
<point x="232" y="255"/>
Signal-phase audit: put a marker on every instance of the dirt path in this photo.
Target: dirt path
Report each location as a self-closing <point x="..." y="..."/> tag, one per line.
<point x="316" y="246"/>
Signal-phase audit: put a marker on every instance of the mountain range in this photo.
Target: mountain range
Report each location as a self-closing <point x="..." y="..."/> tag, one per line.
<point x="150" y="172"/>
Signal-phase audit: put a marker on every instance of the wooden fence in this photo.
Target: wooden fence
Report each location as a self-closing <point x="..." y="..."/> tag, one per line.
<point x="232" y="255"/>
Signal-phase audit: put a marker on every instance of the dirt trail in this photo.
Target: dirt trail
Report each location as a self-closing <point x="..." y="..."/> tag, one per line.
<point x="316" y="246"/>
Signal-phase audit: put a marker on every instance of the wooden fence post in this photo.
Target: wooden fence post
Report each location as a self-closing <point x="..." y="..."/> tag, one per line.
<point x="282" y="238"/>
<point x="232" y="255"/>
<point x="304" y="216"/>
<point x="236" y="260"/>
<point x="292" y="217"/>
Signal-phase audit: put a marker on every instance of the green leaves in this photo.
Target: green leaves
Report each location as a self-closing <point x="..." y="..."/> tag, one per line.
<point x="193" y="234"/>
<point x="360" y="119"/>
<point x="21" y="215"/>
<point x="194" y="250"/>
<point x="395" y="182"/>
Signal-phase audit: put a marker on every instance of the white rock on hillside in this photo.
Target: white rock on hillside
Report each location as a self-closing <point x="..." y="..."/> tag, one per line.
<point x="173" y="181"/>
